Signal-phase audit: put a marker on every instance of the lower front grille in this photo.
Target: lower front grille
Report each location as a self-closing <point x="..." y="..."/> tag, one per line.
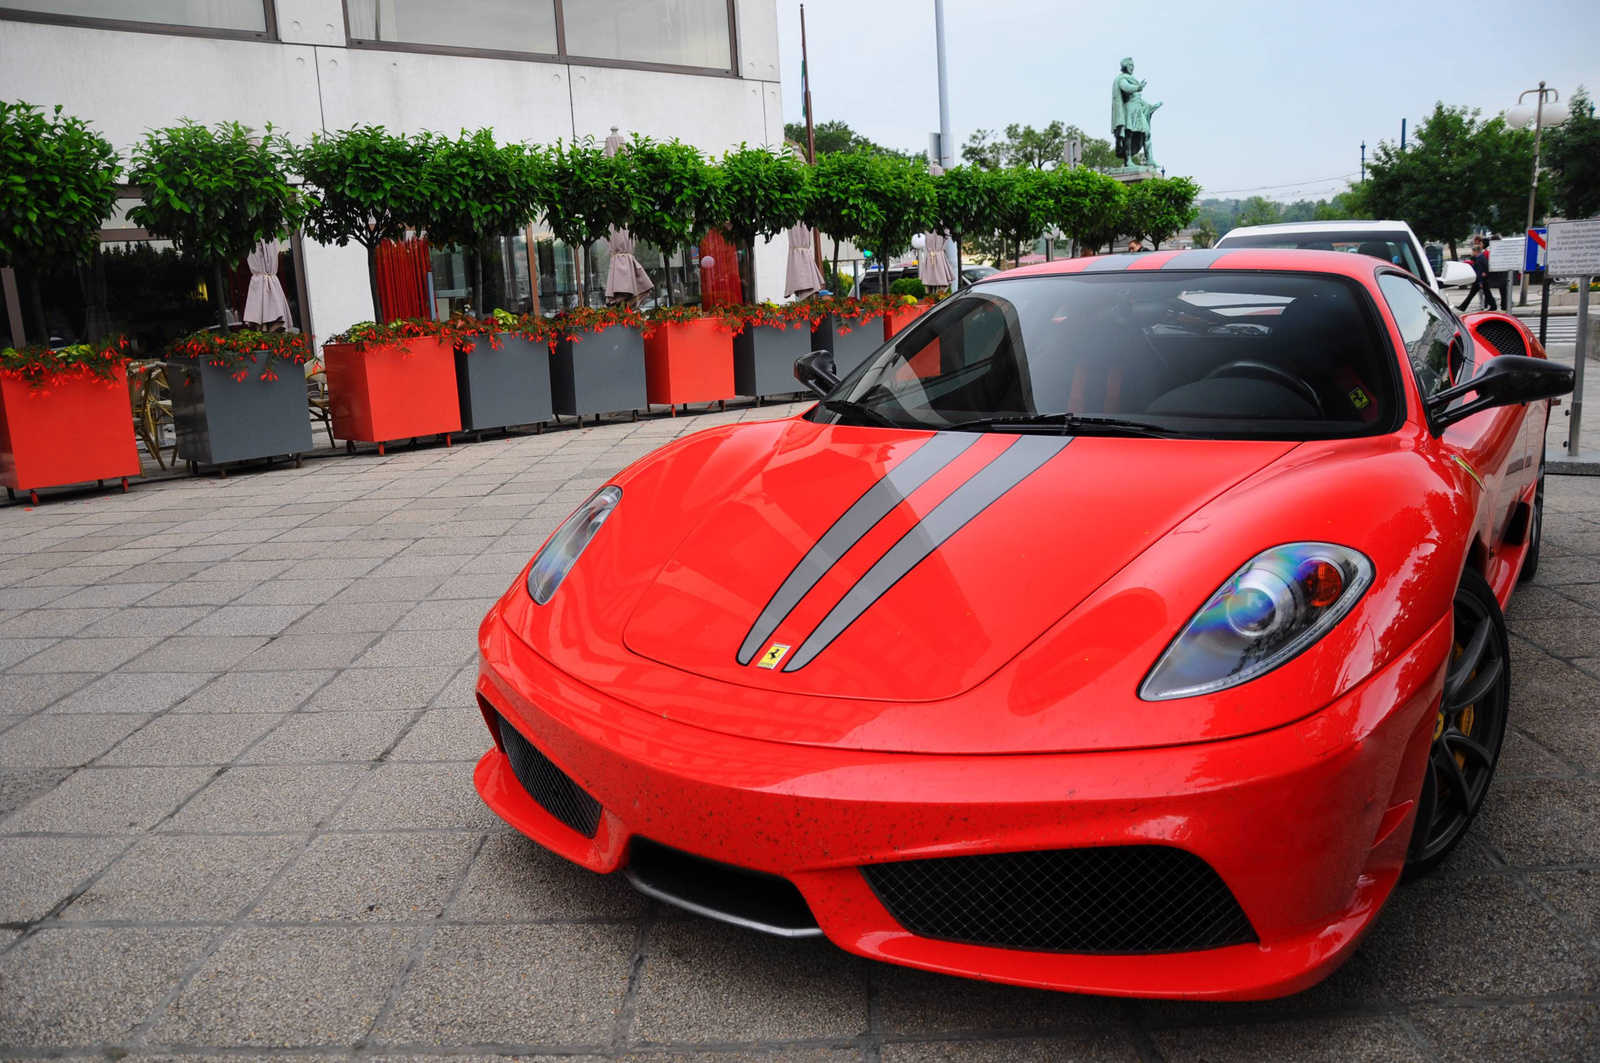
<point x="1118" y="899"/>
<point x="737" y="895"/>
<point x="547" y="784"/>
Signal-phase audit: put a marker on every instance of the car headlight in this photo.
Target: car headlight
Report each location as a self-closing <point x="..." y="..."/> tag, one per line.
<point x="556" y="558"/>
<point x="1269" y="611"/>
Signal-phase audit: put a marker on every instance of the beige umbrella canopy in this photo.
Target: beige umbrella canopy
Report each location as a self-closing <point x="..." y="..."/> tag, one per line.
<point x="933" y="268"/>
<point x="265" y="302"/>
<point x="626" y="279"/>
<point x="802" y="278"/>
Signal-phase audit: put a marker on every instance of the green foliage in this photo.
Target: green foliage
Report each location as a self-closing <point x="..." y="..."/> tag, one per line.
<point x="1158" y="208"/>
<point x="1024" y="206"/>
<point x="1572" y="156"/>
<point x="39" y="365"/>
<point x="1086" y="205"/>
<point x="367" y="184"/>
<point x="475" y="190"/>
<point x="909" y="286"/>
<point x="587" y="192"/>
<point x="1205" y="234"/>
<point x="1023" y="145"/>
<point x="1505" y="170"/>
<point x="964" y="201"/>
<point x="902" y="192"/>
<point x="58" y="182"/>
<point x="677" y="192"/>
<point x="215" y="193"/>
<point x="838" y="136"/>
<point x="763" y="192"/>
<point x="842" y="202"/>
<point x="1258" y="210"/>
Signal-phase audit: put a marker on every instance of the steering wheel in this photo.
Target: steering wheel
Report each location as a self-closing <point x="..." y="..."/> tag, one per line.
<point x="1272" y="374"/>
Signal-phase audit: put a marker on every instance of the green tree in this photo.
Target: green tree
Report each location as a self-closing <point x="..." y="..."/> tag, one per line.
<point x="58" y="183"/>
<point x="964" y="206"/>
<point x="835" y="136"/>
<point x="215" y="193"/>
<point x="1205" y="234"/>
<point x="587" y="194"/>
<point x="1159" y="208"/>
<point x="367" y="188"/>
<point x="476" y="192"/>
<point x="1259" y="210"/>
<point x="904" y="194"/>
<point x="1504" y="170"/>
<point x="1023" y="207"/>
<point x="1571" y="153"/>
<point x="1086" y="204"/>
<point x="763" y="192"/>
<point x="677" y="195"/>
<point x="842" y="202"/>
<point x="1038" y="149"/>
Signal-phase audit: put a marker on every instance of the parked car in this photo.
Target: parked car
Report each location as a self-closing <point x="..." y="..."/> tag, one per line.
<point x="872" y="284"/>
<point x="1111" y="629"/>
<point x="1392" y="241"/>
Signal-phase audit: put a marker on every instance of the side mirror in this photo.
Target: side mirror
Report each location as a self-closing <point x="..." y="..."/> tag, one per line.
<point x="1456" y="275"/>
<point x="816" y="371"/>
<point x="1507" y="380"/>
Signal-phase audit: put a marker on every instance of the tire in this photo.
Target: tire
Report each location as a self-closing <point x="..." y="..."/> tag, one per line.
<point x="1469" y="728"/>
<point x="1530" y="563"/>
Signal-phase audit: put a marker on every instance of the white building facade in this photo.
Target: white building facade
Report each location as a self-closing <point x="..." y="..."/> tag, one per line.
<point x="705" y="71"/>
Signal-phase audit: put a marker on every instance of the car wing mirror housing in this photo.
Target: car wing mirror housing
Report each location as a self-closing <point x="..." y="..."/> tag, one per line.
<point x="1507" y="380"/>
<point x="1454" y="274"/>
<point x="816" y="371"/>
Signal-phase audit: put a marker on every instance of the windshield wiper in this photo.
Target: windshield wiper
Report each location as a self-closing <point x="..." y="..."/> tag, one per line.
<point x="845" y="406"/>
<point x="1064" y="423"/>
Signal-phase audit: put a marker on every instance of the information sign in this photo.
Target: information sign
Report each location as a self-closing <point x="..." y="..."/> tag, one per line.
<point x="1574" y="248"/>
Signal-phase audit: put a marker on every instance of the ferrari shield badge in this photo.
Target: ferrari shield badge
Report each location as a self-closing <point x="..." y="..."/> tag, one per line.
<point x="774" y="656"/>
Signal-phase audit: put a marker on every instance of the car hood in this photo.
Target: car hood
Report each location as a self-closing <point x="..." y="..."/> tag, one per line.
<point x="875" y="564"/>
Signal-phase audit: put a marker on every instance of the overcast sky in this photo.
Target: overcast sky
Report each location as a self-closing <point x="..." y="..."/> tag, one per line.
<point x="1258" y="98"/>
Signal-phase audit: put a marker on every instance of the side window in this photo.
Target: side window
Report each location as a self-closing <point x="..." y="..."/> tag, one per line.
<point x="1427" y="329"/>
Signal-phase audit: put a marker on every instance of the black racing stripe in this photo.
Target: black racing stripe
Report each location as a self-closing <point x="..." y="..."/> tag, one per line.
<point x="1013" y="465"/>
<point x="909" y="474"/>
<point x="1109" y="263"/>
<point x="1194" y="259"/>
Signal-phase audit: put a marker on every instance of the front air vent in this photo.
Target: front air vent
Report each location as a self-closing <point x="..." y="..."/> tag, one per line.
<point x="547" y="784"/>
<point x="1502" y="335"/>
<point x="1126" y="899"/>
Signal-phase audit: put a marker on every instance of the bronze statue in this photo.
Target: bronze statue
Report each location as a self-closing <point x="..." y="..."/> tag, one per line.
<point x="1130" y="118"/>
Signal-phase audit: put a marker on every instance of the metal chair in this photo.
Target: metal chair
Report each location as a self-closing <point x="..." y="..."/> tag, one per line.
<point x="152" y="412"/>
<point x="317" y="396"/>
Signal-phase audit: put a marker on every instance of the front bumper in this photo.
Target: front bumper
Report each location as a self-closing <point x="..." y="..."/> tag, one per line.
<point x="1306" y="824"/>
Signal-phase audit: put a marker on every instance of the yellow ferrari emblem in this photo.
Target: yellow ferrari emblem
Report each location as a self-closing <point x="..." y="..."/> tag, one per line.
<point x="774" y="656"/>
<point x="1358" y="399"/>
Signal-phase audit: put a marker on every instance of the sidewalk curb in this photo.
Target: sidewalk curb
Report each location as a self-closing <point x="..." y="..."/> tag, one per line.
<point x="1585" y="464"/>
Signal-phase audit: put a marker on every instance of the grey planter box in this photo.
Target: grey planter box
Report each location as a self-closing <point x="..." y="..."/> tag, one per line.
<point x="602" y="373"/>
<point x="849" y="349"/>
<point x="763" y="359"/>
<point x="220" y="419"/>
<point x="499" y="388"/>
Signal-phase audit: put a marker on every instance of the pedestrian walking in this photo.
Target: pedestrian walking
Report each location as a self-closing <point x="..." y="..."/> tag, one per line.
<point x="1134" y="247"/>
<point x="1479" y="261"/>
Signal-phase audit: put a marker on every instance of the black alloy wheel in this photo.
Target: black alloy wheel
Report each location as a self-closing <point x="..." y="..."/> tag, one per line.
<point x="1530" y="564"/>
<point x="1468" y="729"/>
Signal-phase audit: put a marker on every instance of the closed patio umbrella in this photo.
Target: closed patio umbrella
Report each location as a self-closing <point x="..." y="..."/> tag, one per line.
<point x="626" y="279"/>
<point x="802" y="279"/>
<point x="265" y="302"/>
<point x="934" y="267"/>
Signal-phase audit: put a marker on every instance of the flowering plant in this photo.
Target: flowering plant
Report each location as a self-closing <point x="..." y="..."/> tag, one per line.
<point x="730" y="318"/>
<point x="567" y="324"/>
<point x="39" y="365"/>
<point x="369" y="334"/>
<point x="852" y="313"/>
<point x="461" y="329"/>
<point x="236" y="350"/>
<point x="779" y="315"/>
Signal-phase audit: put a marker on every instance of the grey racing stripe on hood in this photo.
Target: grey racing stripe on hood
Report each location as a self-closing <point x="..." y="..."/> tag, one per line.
<point x="909" y="474"/>
<point x="1198" y="259"/>
<point x="1109" y="263"/>
<point x="1013" y="465"/>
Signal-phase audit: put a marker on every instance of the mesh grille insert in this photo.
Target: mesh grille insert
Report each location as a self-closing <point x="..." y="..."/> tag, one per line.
<point x="1119" y="899"/>
<point x="547" y="784"/>
<point x="1503" y="335"/>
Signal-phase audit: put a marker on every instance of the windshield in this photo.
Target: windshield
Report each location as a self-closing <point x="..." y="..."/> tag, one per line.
<point x="1392" y="247"/>
<point x="1213" y="354"/>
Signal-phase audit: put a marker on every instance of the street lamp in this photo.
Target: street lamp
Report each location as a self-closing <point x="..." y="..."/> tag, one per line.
<point x="1541" y="114"/>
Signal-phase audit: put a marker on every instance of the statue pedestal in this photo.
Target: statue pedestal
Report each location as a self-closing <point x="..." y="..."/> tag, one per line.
<point x="1132" y="175"/>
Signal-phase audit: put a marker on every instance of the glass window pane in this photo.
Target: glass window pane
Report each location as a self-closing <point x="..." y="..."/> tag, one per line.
<point x="498" y="25"/>
<point x="674" y="32"/>
<point x="204" y="14"/>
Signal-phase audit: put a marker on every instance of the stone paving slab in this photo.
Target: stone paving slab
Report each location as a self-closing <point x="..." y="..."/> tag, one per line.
<point x="237" y="732"/>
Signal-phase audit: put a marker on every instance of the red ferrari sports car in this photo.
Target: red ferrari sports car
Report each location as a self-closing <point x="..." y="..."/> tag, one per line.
<point x="1127" y="625"/>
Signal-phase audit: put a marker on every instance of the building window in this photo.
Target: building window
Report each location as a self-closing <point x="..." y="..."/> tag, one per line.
<point x="222" y="16"/>
<point x="478" y="25"/>
<point x="691" y="34"/>
<point x="657" y="32"/>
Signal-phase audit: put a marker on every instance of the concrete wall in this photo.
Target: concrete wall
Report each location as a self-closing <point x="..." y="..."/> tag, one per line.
<point x="311" y="80"/>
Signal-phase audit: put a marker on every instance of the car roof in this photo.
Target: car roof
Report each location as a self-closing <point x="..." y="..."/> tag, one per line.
<point x="1341" y="263"/>
<point x="1352" y="225"/>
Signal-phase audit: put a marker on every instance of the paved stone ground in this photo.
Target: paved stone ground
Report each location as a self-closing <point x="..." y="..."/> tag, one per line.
<point x="236" y="816"/>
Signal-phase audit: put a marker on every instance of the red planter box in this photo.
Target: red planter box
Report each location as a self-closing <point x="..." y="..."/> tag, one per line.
<point x="73" y="429"/>
<point x="689" y="361"/>
<point x="397" y="391"/>
<point x="896" y="320"/>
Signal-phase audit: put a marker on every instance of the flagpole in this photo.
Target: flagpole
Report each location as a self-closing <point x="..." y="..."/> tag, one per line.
<point x="811" y="135"/>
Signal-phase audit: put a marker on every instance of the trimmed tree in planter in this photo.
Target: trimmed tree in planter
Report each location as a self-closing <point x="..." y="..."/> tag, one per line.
<point x="477" y="192"/>
<point x="58" y="183"/>
<point x="764" y="192"/>
<point x="216" y="193"/>
<point x="1086" y="205"/>
<point x="586" y="193"/>
<point x="1157" y="209"/>
<point x="366" y="185"/>
<point x="964" y="205"/>
<point x="840" y="203"/>
<point x="677" y="196"/>
<point x="1022" y="206"/>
